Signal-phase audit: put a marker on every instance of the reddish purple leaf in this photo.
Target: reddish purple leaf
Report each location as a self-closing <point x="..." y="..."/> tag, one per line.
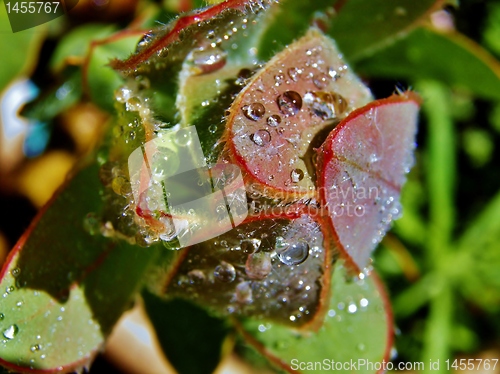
<point x="302" y="91"/>
<point x="361" y="168"/>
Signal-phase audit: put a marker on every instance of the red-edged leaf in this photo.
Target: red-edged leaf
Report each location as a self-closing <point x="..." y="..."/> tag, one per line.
<point x="63" y="289"/>
<point x="274" y="267"/>
<point x="303" y="90"/>
<point x="356" y="336"/>
<point x="174" y="42"/>
<point x="361" y="168"/>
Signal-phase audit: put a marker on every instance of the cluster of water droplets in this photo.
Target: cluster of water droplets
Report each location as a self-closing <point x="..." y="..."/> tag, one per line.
<point x="271" y="274"/>
<point x="285" y="105"/>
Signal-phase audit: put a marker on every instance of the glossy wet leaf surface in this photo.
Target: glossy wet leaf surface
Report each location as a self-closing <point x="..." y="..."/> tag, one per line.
<point x="361" y="168"/>
<point x="272" y="122"/>
<point x="356" y="307"/>
<point x="60" y="297"/>
<point x="276" y="268"/>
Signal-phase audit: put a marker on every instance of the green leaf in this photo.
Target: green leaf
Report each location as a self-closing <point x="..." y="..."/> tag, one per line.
<point x="426" y="54"/>
<point x="363" y="27"/>
<point x="293" y="15"/>
<point x="76" y="44"/>
<point x="102" y="79"/>
<point x="21" y="48"/>
<point x="64" y="288"/>
<point x="357" y="328"/>
<point x="191" y="338"/>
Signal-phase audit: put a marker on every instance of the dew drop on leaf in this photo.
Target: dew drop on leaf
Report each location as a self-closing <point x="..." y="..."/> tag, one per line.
<point x="10" y="332"/>
<point x="225" y="272"/>
<point x="182" y="138"/>
<point x="243" y="293"/>
<point x="294" y="254"/>
<point x="274" y="120"/>
<point x="254" y="111"/>
<point x="321" y="80"/>
<point x="249" y="246"/>
<point x="196" y="276"/>
<point x="296" y="175"/>
<point x="209" y="60"/>
<point x="294" y="73"/>
<point x="258" y="265"/>
<point x="15" y="272"/>
<point x="261" y="137"/>
<point x="279" y="79"/>
<point x="290" y="102"/>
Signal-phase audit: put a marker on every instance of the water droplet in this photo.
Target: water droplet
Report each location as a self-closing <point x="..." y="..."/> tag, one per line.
<point x="249" y="246"/>
<point x="258" y="265"/>
<point x="9" y="289"/>
<point x="121" y="186"/>
<point x="243" y="293"/>
<point x="363" y="302"/>
<point x="294" y="254"/>
<point x="361" y="347"/>
<point x="326" y="105"/>
<point x="225" y="272"/>
<point x="162" y="53"/>
<point x="35" y="347"/>
<point x="2" y="316"/>
<point x="274" y="120"/>
<point x="182" y="138"/>
<point x="10" y="332"/>
<point x="15" y="272"/>
<point x="294" y="74"/>
<point x="296" y="175"/>
<point x="212" y="129"/>
<point x="209" y="60"/>
<point x="143" y="43"/>
<point x="280" y="243"/>
<point x="333" y="73"/>
<point x="290" y="102"/>
<point x="320" y="80"/>
<point x="279" y="79"/>
<point x="261" y="137"/>
<point x="373" y="158"/>
<point x="196" y="276"/>
<point x="254" y="111"/>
